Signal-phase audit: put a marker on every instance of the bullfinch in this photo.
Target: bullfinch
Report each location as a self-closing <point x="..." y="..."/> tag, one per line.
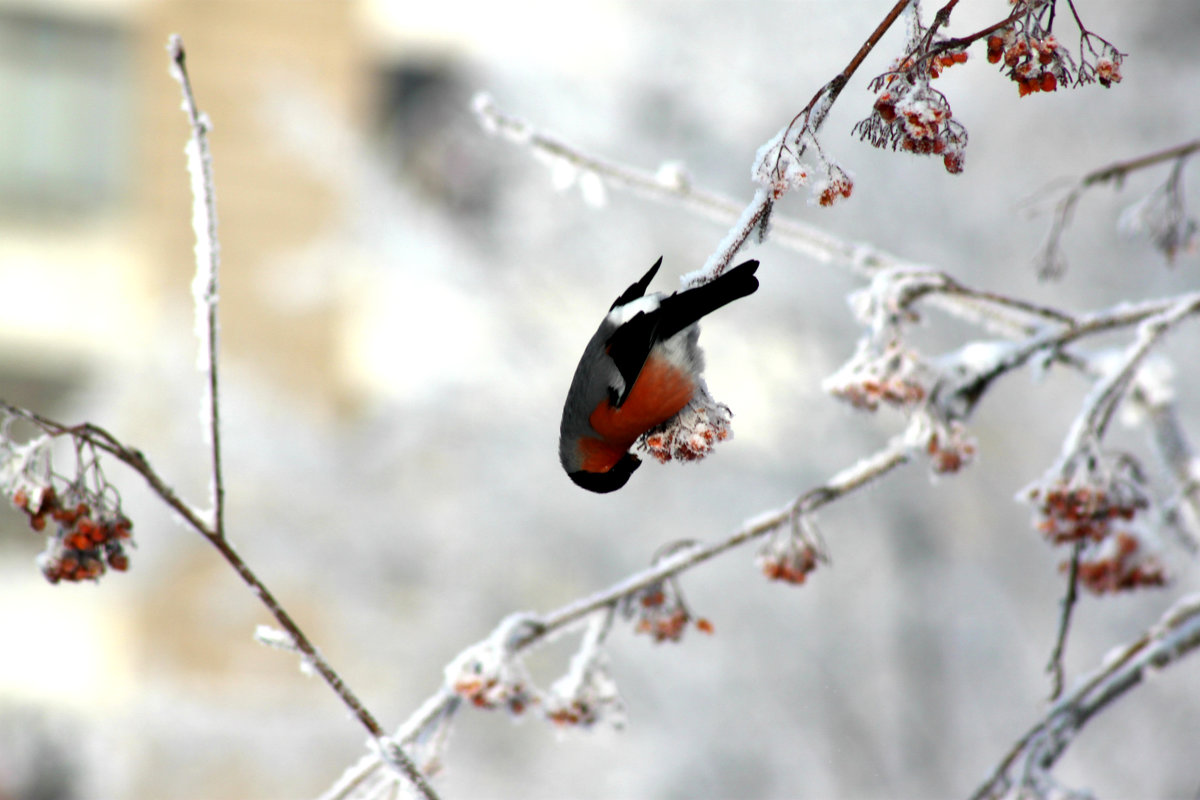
<point x="641" y="367"/>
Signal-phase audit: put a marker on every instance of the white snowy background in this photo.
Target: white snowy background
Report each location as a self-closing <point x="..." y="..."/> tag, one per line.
<point x="403" y="532"/>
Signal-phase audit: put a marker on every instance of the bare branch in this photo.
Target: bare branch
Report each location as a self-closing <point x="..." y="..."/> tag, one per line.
<point x="208" y="260"/>
<point x="1050" y="259"/>
<point x="1055" y="665"/>
<point x="135" y="460"/>
<point x="818" y="107"/>
<point x="1174" y="636"/>
<point x="535" y="629"/>
<point x="1118" y="171"/>
<point x="1092" y="421"/>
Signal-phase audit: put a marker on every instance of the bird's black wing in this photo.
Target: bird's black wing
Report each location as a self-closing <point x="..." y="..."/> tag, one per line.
<point x="629" y="347"/>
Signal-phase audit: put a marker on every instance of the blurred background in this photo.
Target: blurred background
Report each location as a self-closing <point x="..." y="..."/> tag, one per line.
<point x="403" y="301"/>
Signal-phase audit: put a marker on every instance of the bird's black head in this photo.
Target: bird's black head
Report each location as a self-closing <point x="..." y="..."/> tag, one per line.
<point x="605" y="482"/>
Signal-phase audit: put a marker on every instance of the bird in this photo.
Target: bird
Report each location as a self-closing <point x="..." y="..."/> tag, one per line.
<point x="641" y="367"/>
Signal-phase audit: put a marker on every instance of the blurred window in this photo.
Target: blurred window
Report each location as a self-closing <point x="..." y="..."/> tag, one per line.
<point x="64" y="112"/>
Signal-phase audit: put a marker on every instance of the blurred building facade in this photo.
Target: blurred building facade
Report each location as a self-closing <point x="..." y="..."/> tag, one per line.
<point x="95" y="204"/>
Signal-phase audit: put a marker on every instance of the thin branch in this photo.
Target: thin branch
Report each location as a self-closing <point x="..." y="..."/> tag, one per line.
<point x="756" y="214"/>
<point x="1102" y="402"/>
<point x="1054" y="339"/>
<point x="1119" y="170"/>
<point x="537" y="629"/>
<point x="671" y="185"/>
<point x="208" y="260"/>
<point x="825" y="97"/>
<point x="1049" y="258"/>
<point x="204" y="220"/>
<point x="135" y="460"/>
<point x="1174" y="636"/>
<point x="1177" y="454"/>
<point x="1055" y="664"/>
<point x="865" y="471"/>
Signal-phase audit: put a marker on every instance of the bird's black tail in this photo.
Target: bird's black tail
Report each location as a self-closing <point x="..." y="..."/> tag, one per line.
<point x="638" y="289"/>
<point x="683" y="308"/>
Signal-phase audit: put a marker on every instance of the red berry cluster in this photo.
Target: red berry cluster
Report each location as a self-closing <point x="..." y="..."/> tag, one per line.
<point x="585" y="700"/>
<point x="691" y="434"/>
<point x="946" y="60"/>
<point x="1108" y="71"/>
<point x="89" y="536"/>
<point x="950" y="447"/>
<point x="1102" y="517"/>
<point x="1083" y="513"/>
<point x="870" y="378"/>
<point x="574" y="712"/>
<point x="909" y="115"/>
<point x="1118" y="565"/>
<point x="839" y="185"/>
<point x="1035" y="64"/>
<point x="916" y="119"/>
<point x="489" y="692"/>
<point x="662" y="614"/>
<point x="789" y="560"/>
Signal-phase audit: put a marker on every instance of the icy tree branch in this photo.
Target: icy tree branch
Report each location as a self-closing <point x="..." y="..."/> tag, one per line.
<point x="208" y="259"/>
<point x="1050" y="259"/>
<point x="1098" y="408"/>
<point x="1174" y="636"/>
<point x="80" y="558"/>
<point x="671" y="184"/>
<point x="204" y="222"/>
<point x="1033" y="333"/>
<point x="521" y="632"/>
<point x="291" y="634"/>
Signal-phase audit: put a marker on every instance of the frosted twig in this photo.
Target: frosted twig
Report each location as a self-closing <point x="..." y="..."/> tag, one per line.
<point x="1055" y="665"/>
<point x="1049" y="259"/>
<point x="818" y="107"/>
<point x="1174" y="636"/>
<point x="104" y="441"/>
<point x="848" y="480"/>
<point x="671" y="185"/>
<point x="754" y="218"/>
<point x="208" y="259"/>
<point x="1184" y="467"/>
<point x="1118" y="171"/>
<point x="1097" y="410"/>
<point x="204" y="221"/>
<point x="439" y="706"/>
<point x="1052" y="339"/>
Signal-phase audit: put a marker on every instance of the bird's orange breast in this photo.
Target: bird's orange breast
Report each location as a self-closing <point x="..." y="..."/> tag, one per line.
<point x="658" y="394"/>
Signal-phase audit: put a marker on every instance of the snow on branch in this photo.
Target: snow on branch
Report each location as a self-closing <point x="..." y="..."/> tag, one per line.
<point x="208" y="259"/>
<point x="1162" y="215"/>
<point x="1102" y="516"/>
<point x="490" y="674"/>
<point x="1025" y="771"/>
<point x="80" y="510"/>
